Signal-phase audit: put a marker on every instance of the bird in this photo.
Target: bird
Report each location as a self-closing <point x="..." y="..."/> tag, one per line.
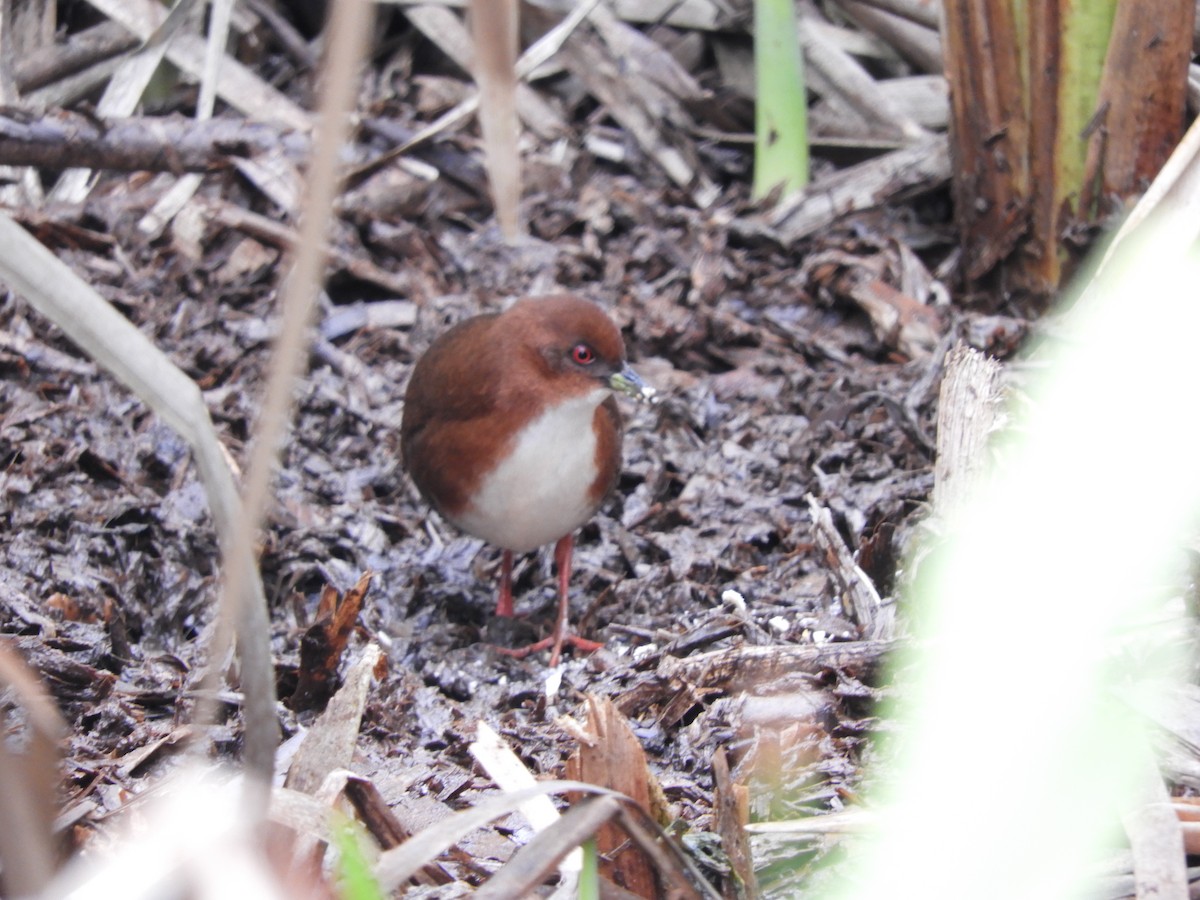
<point x="510" y="430"/>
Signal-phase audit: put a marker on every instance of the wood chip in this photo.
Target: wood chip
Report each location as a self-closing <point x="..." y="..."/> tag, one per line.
<point x="922" y="166"/>
<point x="859" y="598"/>
<point x="613" y="758"/>
<point x="731" y="806"/>
<point x="745" y="668"/>
<point x="969" y="412"/>
<point x="330" y="743"/>
<point x="324" y="642"/>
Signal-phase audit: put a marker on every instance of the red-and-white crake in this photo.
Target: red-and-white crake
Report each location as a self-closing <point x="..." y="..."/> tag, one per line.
<point x="512" y="433"/>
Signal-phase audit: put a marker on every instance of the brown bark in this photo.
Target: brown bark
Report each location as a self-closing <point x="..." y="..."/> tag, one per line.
<point x="57" y="61"/>
<point x="614" y="759"/>
<point x="68" y="140"/>
<point x="1155" y="54"/>
<point x="1037" y="265"/>
<point x="1035" y="173"/>
<point x="989" y="131"/>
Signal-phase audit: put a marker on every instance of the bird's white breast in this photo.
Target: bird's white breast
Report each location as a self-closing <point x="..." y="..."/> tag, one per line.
<point x="541" y="491"/>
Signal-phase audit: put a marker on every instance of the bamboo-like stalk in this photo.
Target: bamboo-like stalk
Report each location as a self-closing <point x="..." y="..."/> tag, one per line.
<point x="989" y="116"/>
<point x="1061" y="111"/>
<point x="781" y="113"/>
<point x="1067" y="43"/>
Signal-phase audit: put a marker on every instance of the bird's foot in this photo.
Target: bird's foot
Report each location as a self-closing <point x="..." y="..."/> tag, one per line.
<point x="554" y="641"/>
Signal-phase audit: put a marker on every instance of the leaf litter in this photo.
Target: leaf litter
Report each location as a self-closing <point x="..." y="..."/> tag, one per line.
<point x="720" y="611"/>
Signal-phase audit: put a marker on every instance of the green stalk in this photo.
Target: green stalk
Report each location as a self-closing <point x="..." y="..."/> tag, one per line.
<point x="781" y="110"/>
<point x="355" y="881"/>
<point x="1086" y="30"/>
<point x="589" y="875"/>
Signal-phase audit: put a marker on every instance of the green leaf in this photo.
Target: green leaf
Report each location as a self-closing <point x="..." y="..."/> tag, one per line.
<point x="355" y="881"/>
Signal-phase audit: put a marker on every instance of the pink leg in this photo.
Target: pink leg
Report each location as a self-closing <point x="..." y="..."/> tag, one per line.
<point x="504" y="601"/>
<point x="562" y="559"/>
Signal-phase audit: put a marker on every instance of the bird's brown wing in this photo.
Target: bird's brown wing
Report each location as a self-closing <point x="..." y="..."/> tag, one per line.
<point x="452" y="383"/>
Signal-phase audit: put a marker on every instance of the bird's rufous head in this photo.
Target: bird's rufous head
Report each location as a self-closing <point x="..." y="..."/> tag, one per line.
<point x="570" y="345"/>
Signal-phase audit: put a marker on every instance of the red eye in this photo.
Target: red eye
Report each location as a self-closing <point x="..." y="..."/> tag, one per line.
<point x="583" y="355"/>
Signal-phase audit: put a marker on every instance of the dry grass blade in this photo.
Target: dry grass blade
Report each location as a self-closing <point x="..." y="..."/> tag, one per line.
<point x="174" y="200"/>
<point x="53" y="62"/>
<point x="731" y="802"/>
<point x="506" y="769"/>
<point x="398" y="865"/>
<point x="214" y="56"/>
<point x="120" y="98"/>
<point x="32" y="271"/>
<point x="531" y="865"/>
<point x="28" y="779"/>
<point x="449" y="33"/>
<point x="236" y="84"/>
<point x="923" y="12"/>
<point x="494" y="29"/>
<point x="347" y="39"/>
<point x="745" y="667"/>
<point x="179" y="13"/>
<point x="704" y="15"/>
<point x="851" y="82"/>
<point x="268" y="230"/>
<point x="848" y="821"/>
<point x="679" y="876"/>
<point x="860" y="599"/>
<point x="602" y="58"/>
<point x="920" y="44"/>
<point x="537" y="54"/>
